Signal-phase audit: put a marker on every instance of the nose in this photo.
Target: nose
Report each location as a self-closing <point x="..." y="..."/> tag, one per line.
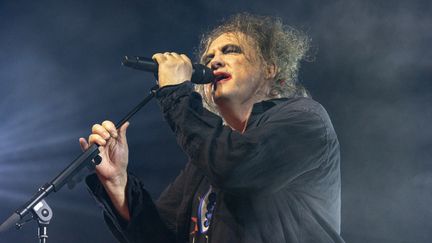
<point x="216" y="62"/>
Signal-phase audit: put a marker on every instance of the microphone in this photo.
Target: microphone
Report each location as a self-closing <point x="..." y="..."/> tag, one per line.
<point x="200" y="74"/>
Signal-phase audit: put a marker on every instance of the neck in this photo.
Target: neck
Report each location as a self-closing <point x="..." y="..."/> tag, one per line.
<point x="236" y="112"/>
<point x="236" y="115"/>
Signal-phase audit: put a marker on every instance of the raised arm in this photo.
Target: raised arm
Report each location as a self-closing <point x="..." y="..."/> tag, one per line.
<point x="112" y="170"/>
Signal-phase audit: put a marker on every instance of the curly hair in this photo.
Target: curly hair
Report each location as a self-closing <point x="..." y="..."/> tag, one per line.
<point x="277" y="44"/>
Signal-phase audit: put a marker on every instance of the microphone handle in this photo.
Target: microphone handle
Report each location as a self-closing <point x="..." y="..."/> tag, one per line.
<point x="141" y="63"/>
<point x="200" y="74"/>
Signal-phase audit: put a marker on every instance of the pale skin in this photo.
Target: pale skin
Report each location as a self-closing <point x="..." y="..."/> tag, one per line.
<point x="231" y="54"/>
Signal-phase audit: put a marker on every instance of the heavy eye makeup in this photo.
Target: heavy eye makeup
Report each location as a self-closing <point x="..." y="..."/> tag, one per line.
<point x="231" y="49"/>
<point x="227" y="49"/>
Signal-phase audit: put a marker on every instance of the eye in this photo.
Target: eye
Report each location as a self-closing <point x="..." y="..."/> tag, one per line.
<point x="208" y="58"/>
<point x="231" y="49"/>
<point x="227" y="49"/>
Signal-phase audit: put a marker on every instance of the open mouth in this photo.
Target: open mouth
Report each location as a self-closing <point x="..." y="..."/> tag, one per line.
<point x="221" y="77"/>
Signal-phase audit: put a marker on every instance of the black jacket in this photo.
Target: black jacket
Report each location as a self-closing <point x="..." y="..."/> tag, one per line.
<point x="279" y="181"/>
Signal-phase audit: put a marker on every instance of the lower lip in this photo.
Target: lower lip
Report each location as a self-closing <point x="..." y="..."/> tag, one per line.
<point x="223" y="80"/>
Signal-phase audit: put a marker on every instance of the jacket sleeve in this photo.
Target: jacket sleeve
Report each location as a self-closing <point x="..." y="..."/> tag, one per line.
<point x="287" y="144"/>
<point x="146" y="224"/>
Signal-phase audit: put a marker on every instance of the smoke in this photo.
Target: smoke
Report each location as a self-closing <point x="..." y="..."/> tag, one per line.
<point x="60" y="73"/>
<point x="378" y="65"/>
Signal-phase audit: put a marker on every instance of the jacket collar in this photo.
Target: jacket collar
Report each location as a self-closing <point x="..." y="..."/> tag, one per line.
<point x="261" y="107"/>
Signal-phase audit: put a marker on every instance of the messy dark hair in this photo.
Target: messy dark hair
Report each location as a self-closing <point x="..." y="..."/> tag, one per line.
<point x="276" y="43"/>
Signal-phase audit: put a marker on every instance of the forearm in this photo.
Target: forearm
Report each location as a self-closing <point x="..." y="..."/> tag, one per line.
<point x="144" y="225"/>
<point x="286" y="142"/>
<point x="116" y="190"/>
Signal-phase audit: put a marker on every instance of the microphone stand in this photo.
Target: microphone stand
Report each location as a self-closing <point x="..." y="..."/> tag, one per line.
<point x="38" y="207"/>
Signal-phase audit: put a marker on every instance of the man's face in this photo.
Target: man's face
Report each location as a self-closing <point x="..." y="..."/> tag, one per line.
<point x="238" y="70"/>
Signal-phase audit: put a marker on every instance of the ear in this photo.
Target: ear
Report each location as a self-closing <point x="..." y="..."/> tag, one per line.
<point x="270" y="71"/>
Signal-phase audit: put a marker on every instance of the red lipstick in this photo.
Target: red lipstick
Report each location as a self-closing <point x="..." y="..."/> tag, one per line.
<point x="221" y="76"/>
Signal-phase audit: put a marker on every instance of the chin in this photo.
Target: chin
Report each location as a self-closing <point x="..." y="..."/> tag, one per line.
<point x="220" y="98"/>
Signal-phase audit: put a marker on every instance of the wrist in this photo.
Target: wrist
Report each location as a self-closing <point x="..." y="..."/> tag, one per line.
<point x="116" y="190"/>
<point x="114" y="185"/>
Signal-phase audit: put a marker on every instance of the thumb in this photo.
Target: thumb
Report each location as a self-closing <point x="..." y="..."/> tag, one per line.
<point x="122" y="132"/>
<point x="83" y="143"/>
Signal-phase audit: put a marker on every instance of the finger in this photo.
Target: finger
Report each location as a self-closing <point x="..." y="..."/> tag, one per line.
<point x="171" y="56"/>
<point x="159" y="57"/>
<point x="181" y="57"/>
<point x="186" y="58"/>
<point x="101" y="131"/>
<point x="110" y="127"/>
<point x="174" y="54"/>
<point x="122" y="131"/>
<point x="83" y="143"/>
<point x="97" y="139"/>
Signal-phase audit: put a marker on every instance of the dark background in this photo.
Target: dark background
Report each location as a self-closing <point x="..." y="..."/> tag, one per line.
<point x="60" y="73"/>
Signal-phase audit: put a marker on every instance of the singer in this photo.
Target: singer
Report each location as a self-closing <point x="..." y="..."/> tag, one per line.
<point x="263" y="155"/>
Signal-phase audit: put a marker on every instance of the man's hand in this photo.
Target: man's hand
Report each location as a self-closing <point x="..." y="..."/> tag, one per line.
<point x="173" y="68"/>
<point x="114" y="153"/>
